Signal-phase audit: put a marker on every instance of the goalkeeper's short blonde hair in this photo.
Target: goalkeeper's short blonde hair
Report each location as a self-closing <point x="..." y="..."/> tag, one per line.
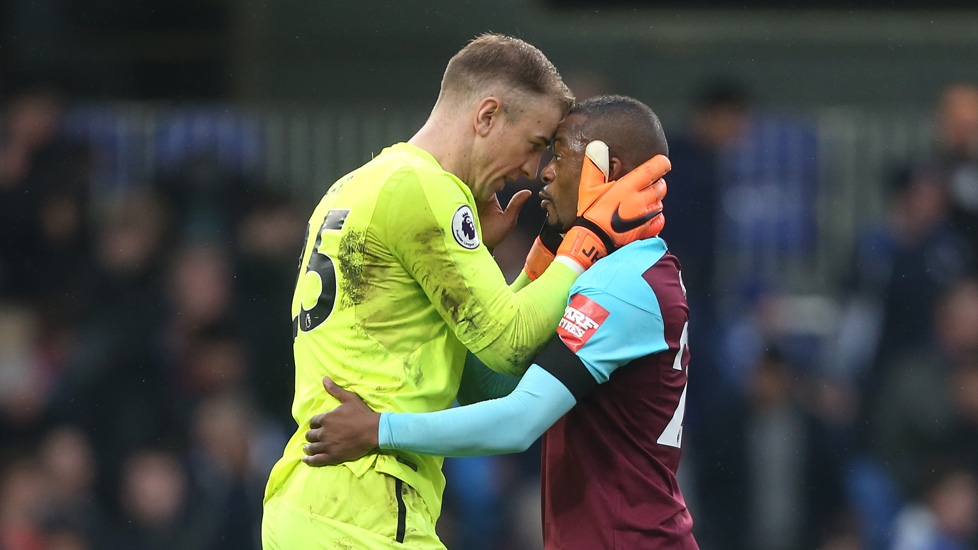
<point x="502" y="64"/>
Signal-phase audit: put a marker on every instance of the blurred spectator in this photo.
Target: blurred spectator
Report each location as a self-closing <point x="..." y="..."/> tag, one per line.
<point x="227" y="474"/>
<point x="214" y="362"/>
<point x="957" y="134"/>
<point x="886" y="344"/>
<point x="842" y="541"/>
<point x="72" y="509"/>
<point x="44" y="185"/>
<point x="901" y="269"/>
<point x="200" y="288"/>
<point x="924" y="405"/>
<point x="64" y="536"/>
<point x="718" y="118"/>
<point x="266" y="267"/>
<point x="153" y="502"/>
<point x="476" y="502"/>
<point x="961" y="444"/>
<point x="123" y="311"/>
<point x="770" y="476"/>
<point x="115" y="371"/>
<point x="945" y="517"/>
<point x="23" y="488"/>
<point x="767" y="219"/>
<point x="25" y="387"/>
<point x="200" y="349"/>
<point x="44" y="229"/>
<point x="132" y="246"/>
<point x="207" y="198"/>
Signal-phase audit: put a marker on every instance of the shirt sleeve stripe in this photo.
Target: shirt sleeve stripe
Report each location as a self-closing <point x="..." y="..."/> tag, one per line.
<point x="567" y="367"/>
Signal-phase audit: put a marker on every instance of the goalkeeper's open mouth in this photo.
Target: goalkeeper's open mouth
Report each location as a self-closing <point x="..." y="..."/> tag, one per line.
<point x="502" y="183"/>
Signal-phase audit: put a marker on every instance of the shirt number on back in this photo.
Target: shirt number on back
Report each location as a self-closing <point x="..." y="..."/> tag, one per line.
<point x="321" y="266"/>
<point x="672" y="436"/>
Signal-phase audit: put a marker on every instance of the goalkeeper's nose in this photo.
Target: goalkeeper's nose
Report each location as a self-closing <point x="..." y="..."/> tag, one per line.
<point x="548" y="174"/>
<point x="529" y="168"/>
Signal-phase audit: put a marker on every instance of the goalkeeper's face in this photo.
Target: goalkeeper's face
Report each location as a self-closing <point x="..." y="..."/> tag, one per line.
<point x="510" y="142"/>
<point x="562" y="175"/>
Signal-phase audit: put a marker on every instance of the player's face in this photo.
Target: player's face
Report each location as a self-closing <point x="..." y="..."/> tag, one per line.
<point x="562" y="175"/>
<point x="513" y="148"/>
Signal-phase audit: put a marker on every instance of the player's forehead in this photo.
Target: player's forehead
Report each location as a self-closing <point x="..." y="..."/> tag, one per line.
<point x="572" y="133"/>
<point x="540" y="116"/>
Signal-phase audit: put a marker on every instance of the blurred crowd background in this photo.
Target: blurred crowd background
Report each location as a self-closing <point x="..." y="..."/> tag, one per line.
<point x="158" y="162"/>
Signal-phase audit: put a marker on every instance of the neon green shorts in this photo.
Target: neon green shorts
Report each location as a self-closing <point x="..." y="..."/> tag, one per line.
<point x="376" y="511"/>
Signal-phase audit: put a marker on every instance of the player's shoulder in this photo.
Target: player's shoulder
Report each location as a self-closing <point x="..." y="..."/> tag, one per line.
<point x="413" y="167"/>
<point x="397" y="162"/>
<point x="407" y="158"/>
<point x="627" y="262"/>
<point x="623" y="274"/>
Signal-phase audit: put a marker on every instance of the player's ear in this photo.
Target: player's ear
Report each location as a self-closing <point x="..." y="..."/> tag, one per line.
<point x="615" y="171"/>
<point x="487" y="115"/>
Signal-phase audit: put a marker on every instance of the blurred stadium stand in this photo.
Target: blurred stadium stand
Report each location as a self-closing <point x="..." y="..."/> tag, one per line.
<point x="800" y="186"/>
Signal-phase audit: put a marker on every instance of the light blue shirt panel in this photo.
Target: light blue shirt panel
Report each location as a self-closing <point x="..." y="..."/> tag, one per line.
<point x="634" y="326"/>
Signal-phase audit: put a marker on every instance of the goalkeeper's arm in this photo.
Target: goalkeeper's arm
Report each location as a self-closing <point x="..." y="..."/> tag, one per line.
<point x="549" y="389"/>
<point x="480" y="383"/>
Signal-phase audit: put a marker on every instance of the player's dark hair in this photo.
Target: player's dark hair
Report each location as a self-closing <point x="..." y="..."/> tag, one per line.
<point x="518" y="65"/>
<point x="629" y="127"/>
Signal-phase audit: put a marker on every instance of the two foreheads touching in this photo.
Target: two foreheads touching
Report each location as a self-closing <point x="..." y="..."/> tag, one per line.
<point x="516" y="71"/>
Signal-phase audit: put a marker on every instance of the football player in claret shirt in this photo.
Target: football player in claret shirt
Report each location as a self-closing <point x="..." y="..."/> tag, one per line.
<point x="396" y="283"/>
<point x="608" y="394"/>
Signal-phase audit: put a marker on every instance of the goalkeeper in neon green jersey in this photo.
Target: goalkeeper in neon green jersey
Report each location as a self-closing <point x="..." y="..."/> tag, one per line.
<point x="396" y="282"/>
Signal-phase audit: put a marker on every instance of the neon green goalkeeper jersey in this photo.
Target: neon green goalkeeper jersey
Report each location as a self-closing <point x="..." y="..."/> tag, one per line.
<point x="394" y="285"/>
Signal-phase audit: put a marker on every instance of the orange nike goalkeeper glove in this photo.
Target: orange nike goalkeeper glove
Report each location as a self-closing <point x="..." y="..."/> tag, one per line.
<point x="542" y="252"/>
<point x="611" y="214"/>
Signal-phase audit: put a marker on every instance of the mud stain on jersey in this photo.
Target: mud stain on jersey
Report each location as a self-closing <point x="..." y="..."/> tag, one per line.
<point x="520" y="359"/>
<point x="351" y="252"/>
<point x="416" y="371"/>
<point x="435" y="268"/>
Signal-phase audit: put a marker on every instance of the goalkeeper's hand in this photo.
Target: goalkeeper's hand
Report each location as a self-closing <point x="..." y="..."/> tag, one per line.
<point x="542" y="252"/>
<point x="611" y="214"/>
